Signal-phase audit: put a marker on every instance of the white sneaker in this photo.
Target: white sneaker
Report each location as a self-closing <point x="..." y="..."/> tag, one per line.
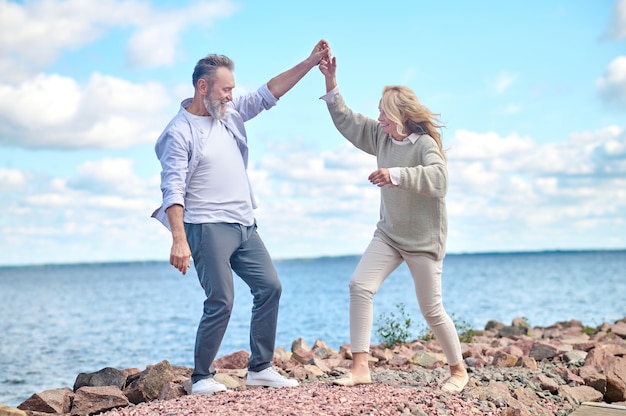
<point x="207" y="386"/>
<point x="269" y="378"/>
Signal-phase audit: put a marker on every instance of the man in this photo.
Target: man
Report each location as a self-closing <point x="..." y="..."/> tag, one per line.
<point x="208" y="206"/>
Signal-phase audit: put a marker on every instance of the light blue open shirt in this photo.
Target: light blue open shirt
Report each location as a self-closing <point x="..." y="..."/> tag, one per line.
<point x="179" y="147"/>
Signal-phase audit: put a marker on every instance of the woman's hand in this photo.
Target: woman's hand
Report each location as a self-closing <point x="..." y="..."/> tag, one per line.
<point x="380" y="177"/>
<point x="328" y="67"/>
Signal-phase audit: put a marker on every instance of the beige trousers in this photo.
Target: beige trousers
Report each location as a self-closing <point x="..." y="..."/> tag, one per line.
<point x="377" y="263"/>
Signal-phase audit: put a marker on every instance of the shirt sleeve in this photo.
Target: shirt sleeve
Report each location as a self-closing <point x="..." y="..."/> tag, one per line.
<point x="331" y="96"/>
<point x="395" y="174"/>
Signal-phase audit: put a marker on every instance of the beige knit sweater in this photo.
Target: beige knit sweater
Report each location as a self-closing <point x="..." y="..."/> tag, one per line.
<point x="413" y="214"/>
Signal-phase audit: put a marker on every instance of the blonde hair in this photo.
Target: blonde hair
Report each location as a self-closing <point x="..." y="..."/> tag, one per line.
<point x="401" y="106"/>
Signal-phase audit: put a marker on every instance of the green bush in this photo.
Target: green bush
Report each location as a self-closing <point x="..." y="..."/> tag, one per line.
<point x="393" y="329"/>
<point x="464" y="329"/>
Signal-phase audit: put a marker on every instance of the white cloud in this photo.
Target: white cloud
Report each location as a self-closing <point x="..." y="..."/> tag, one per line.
<point x="33" y="34"/>
<point x="12" y="180"/>
<point x="107" y="112"/>
<point x="522" y="191"/>
<point x="54" y="99"/>
<point x="612" y="84"/>
<point x="99" y="213"/>
<point x="156" y="40"/>
<point x="468" y="145"/>
<point x="617" y="27"/>
<point x="109" y="176"/>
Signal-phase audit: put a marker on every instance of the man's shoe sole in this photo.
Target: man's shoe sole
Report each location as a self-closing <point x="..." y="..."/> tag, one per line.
<point x="258" y="383"/>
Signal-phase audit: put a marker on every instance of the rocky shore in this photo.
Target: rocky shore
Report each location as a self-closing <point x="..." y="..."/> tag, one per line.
<point x="514" y="369"/>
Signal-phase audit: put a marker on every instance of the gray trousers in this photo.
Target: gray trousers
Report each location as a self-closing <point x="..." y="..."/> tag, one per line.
<point x="218" y="250"/>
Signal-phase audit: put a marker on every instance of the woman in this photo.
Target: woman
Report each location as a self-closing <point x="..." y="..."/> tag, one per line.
<point x="412" y="177"/>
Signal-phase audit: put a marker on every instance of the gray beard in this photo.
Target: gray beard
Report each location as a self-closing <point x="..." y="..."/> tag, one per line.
<point x="214" y="107"/>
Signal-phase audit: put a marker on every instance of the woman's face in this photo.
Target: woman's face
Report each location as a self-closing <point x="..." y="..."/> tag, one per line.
<point x="388" y="126"/>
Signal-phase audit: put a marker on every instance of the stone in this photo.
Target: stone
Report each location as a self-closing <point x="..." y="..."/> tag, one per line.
<point x="237" y="359"/>
<point x="108" y="376"/>
<point x="398" y="361"/>
<point x="513" y="350"/>
<point x="575" y="357"/>
<point x="616" y="380"/>
<point x="321" y="350"/>
<point x="502" y="359"/>
<point x="92" y="400"/>
<point x="426" y="359"/>
<point x="49" y="401"/>
<point x="11" y="411"/>
<point x="321" y="364"/>
<point x="512" y="331"/>
<point x="383" y="354"/>
<point x="301" y="352"/>
<point x="171" y="390"/>
<point x="528" y="362"/>
<point x="494" y="325"/>
<point x="281" y="357"/>
<point x="227" y="380"/>
<point x="543" y="350"/>
<point x="593" y="378"/>
<point x="619" y="329"/>
<point x="146" y="385"/>
<point x="313" y="372"/>
<point x="581" y="394"/>
<point x="546" y="383"/>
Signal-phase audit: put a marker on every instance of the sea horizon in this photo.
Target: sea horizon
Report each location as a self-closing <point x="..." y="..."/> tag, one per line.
<point x="323" y="257"/>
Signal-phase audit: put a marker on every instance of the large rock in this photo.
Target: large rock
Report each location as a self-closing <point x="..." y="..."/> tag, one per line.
<point x="593" y="378"/>
<point x="616" y="380"/>
<point x="301" y="352"/>
<point x="619" y="329"/>
<point x="543" y="350"/>
<point x="235" y="360"/>
<point x="108" y="376"/>
<point x="92" y="400"/>
<point x="49" y="401"/>
<point x="146" y="385"/>
<point x="580" y="394"/>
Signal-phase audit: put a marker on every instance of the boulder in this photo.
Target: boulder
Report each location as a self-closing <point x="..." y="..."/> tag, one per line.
<point x="543" y="350"/>
<point x="235" y="360"/>
<point x="616" y="380"/>
<point x="580" y="394"/>
<point x="301" y="352"/>
<point x="108" y="376"/>
<point x="93" y="400"/>
<point x="146" y="385"/>
<point x="49" y="401"/>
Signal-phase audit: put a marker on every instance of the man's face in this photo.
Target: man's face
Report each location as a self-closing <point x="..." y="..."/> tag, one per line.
<point x="220" y="93"/>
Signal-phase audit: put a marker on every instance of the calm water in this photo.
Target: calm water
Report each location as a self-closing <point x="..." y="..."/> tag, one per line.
<point x="58" y="321"/>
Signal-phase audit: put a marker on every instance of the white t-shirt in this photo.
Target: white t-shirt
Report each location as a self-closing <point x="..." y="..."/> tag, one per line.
<point x="219" y="189"/>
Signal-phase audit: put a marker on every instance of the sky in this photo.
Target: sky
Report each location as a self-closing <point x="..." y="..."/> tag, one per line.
<point x="532" y="95"/>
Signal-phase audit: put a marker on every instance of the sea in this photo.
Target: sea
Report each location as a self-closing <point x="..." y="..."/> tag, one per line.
<point x="61" y="320"/>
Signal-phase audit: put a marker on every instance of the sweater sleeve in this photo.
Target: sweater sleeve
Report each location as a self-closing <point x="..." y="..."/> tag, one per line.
<point x="363" y="132"/>
<point x="430" y="178"/>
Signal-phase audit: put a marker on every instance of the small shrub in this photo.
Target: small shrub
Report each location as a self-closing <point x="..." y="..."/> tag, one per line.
<point x="588" y="330"/>
<point x="466" y="333"/>
<point x="393" y="329"/>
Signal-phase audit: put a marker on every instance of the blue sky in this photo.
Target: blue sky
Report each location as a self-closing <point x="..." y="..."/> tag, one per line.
<point x="533" y="96"/>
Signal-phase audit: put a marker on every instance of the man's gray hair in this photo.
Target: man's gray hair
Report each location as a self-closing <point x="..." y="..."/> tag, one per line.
<point x="206" y="67"/>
